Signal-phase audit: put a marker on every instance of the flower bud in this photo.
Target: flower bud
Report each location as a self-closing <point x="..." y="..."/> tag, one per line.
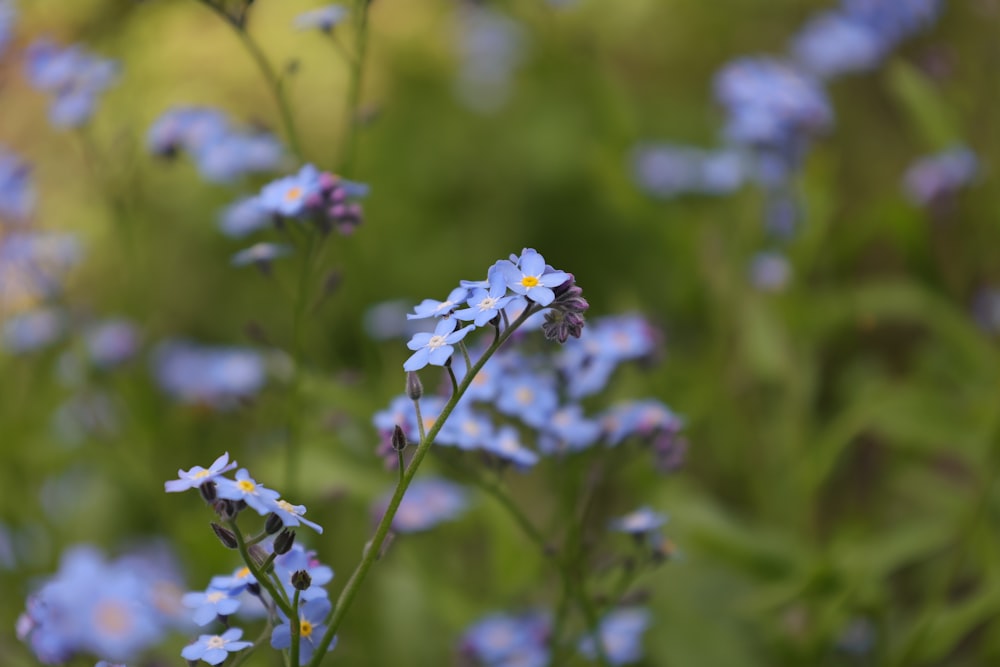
<point x="226" y="536"/>
<point x="207" y="491"/>
<point x="283" y="542"/>
<point x="414" y="388"/>
<point x="226" y="509"/>
<point x="301" y="580"/>
<point x="398" y="438"/>
<point x="273" y="524"/>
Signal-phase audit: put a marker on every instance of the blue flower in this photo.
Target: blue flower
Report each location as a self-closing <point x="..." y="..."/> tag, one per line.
<point x="186" y="128"/>
<point x="312" y="617"/>
<point x="428" y="502"/>
<point x="8" y="15"/>
<point x="435" y="348"/>
<point x="567" y="430"/>
<point x="932" y="178"/>
<point x="298" y="559"/>
<point x="665" y="170"/>
<point x="485" y="304"/>
<point x="234" y="583"/>
<point x="33" y="330"/>
<point x="510" y="641"/>
<point x="17" y="193"/>
<point x="244" y="217"/>
<point x="76" y="78"/>
<point x="471" y="429"/>
<point x="528" y="396"/>
<point x="291" y="515"/>
<point x="506" y="445"/>
<point x="111" y="343"/>
<point x="214" y="376"/>
<point x="639" y="522"/>
<point x="196" y="476"/>
<point x="230" y="156"/>
<point x="210" y="604"/>
<point x="531" y="277"/>
<point x="620" y="634"/>
<point x="770" y="271"/>
<point x="246" y="488"/>
<point x="289" y="196"/>
<point x="832" y="44"/>
<point x="214" y="649"/>
<point x="260" y="253"/>
<point x="323" y="18"/>
<point x="432" y="308"/>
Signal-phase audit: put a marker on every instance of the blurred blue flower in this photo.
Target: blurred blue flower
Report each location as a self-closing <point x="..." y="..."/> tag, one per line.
<point x="490" y="48"/>
<point x="471" y="429"/>
<point x="643" y="418"/>
<point x="244" y="217"/>
<point x="236" y="582"/>
<point x="531" y="397"/>
<point x="8" y="17"/>
<point x="934" y="177"/>
<point x="506" y="445"/>
<point x="214" y="649"/>
<point x="261" y="254"/>
<point x="75" y="77"/>
<point x="428" y="502"/>
<point x="321" y="18"/>
<point x="893" y="19"/>
<point x="196" y="476"/>
<point x="639" y="522"/>
<point x="665" y="170"/>
<point x="246" y="488"/>
<point x="833" y="43"/>
<point x="771" y="103"/>
<point x="435" y="348"/>
<point x="32" y="267"/>
<point x="186" y="129"/>
<point x="112" y="342"/>
<point x="210" y="604"/>
<point x="567" y="430"/>
<point x="17" y="192"/>
<point x="290" y="195"/>
<point x="312" y="618"/>
<point x="508" y="641"/>
<point x="212" y="376"/>
<point x="299" y="559"/>
<point x="33" y="330"/>
<point x="291" y="515"/>
<point x="770" y="271"/>
<point x="620" y="634"/>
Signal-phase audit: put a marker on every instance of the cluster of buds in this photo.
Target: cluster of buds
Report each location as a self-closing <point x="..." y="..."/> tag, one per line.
<point x="565" y="315"/>
<point x="330" y="206"/>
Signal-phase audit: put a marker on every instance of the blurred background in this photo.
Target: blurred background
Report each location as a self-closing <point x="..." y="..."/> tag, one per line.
<point x="828" y="315"/>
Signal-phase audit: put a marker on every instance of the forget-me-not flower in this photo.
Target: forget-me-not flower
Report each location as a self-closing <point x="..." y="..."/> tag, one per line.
<point x="196" y="476"/>
<point x="290" y="195"/>
<point x="312" y="616"/>
<point x="322" y="18"/>
<point x="214" y="649"/>
<point x="211" y="603"/>
<point x="530" y="277"/>
<point x="247" y="489"/>
<point x="433" y="308"/>
<point x="485" y="304"/>
<point x="435" y="348"/>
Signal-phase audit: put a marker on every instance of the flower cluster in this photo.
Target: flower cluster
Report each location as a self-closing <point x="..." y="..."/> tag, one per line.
<point x="74" y="77"/>
<point x="111" y="610"/>
<point x="666" y="170"/>
<point x="222" y="152"/>
<point x="503" y="640"/>
<point x="286" y="567"/>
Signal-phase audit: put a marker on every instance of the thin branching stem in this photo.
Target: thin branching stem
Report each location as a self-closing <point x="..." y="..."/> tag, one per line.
<point x="256" y="571"/>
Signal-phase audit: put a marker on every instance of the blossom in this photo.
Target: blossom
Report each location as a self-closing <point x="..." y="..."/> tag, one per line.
<point x="322" y="18"/>
<point x="111" y="343"/>
<point x="432" y="308"/>
<point x="312" y="616"/>
<point x="506" y="445"/>
<point x="531" y="397"/>
<point x="214" y="649"/>
<point x="504" y="639"/>
<point x="620" y="635"/>
<point x="567" y="429"/>
<point x="75" y="77"/>
<point x="641" y="521"/>
<point x="298" y="559"/>
<point x="243" y="217"/>
<point x="215" y="376"/>
<point x="289" y="196"/>
<point x="291" y="515"/>
<point x="485" y="304"/>
<point x="210" y="604"/>
<point x="666" y="170"/>
<point x="33" y="330"/>
<point x="196" y="476"/>
<point x="530" y="277"/>
<point x="17" y="192"/>
<point x="833" y="43"/>
<point x="770" y="271"/>
<point x="428" y="502"/>
<point x="934" y="177"/>
<point x="247" y="489"/>
<point x="435" y="348"/>
<point x="260" y="253"/>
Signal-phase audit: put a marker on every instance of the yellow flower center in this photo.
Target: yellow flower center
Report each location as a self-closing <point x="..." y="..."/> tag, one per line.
<point x="246" y="485"/>
<point x="113" y="618"/>
<point x="293" y="193"/>
<point x="202" y="473"/>
<point x="305" y="628"/>
<point x="287" y="506"/>
<point x="529" y="282"/>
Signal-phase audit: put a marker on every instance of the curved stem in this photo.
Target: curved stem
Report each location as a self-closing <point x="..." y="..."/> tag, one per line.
<point x="274" y="81"/>
<point x="257" y="572"/>
<point x="374" y="547"/>
<point x="261" y="638"/>
<point x="296" y="628"/>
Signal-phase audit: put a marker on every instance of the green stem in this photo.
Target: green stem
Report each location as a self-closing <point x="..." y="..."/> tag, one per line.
<point x="296" y="627"/>
<point x="374" y="547"/>
<point x="261" y="638"/>
<point x="258" y="574"/>
<point x="354" y="92"/>
<point x="274" y="82"/>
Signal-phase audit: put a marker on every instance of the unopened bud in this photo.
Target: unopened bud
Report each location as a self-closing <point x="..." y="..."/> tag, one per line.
<point x="273" y="524"/>
<point x="398" y="438"/>
<point x="207" y="491"/>
<point x="226" y="509"/>
<point x="226" y="536"/>
<point x="301" y="580"/>
<point x="283" y="542"/>
<point x="414" y="388"/>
